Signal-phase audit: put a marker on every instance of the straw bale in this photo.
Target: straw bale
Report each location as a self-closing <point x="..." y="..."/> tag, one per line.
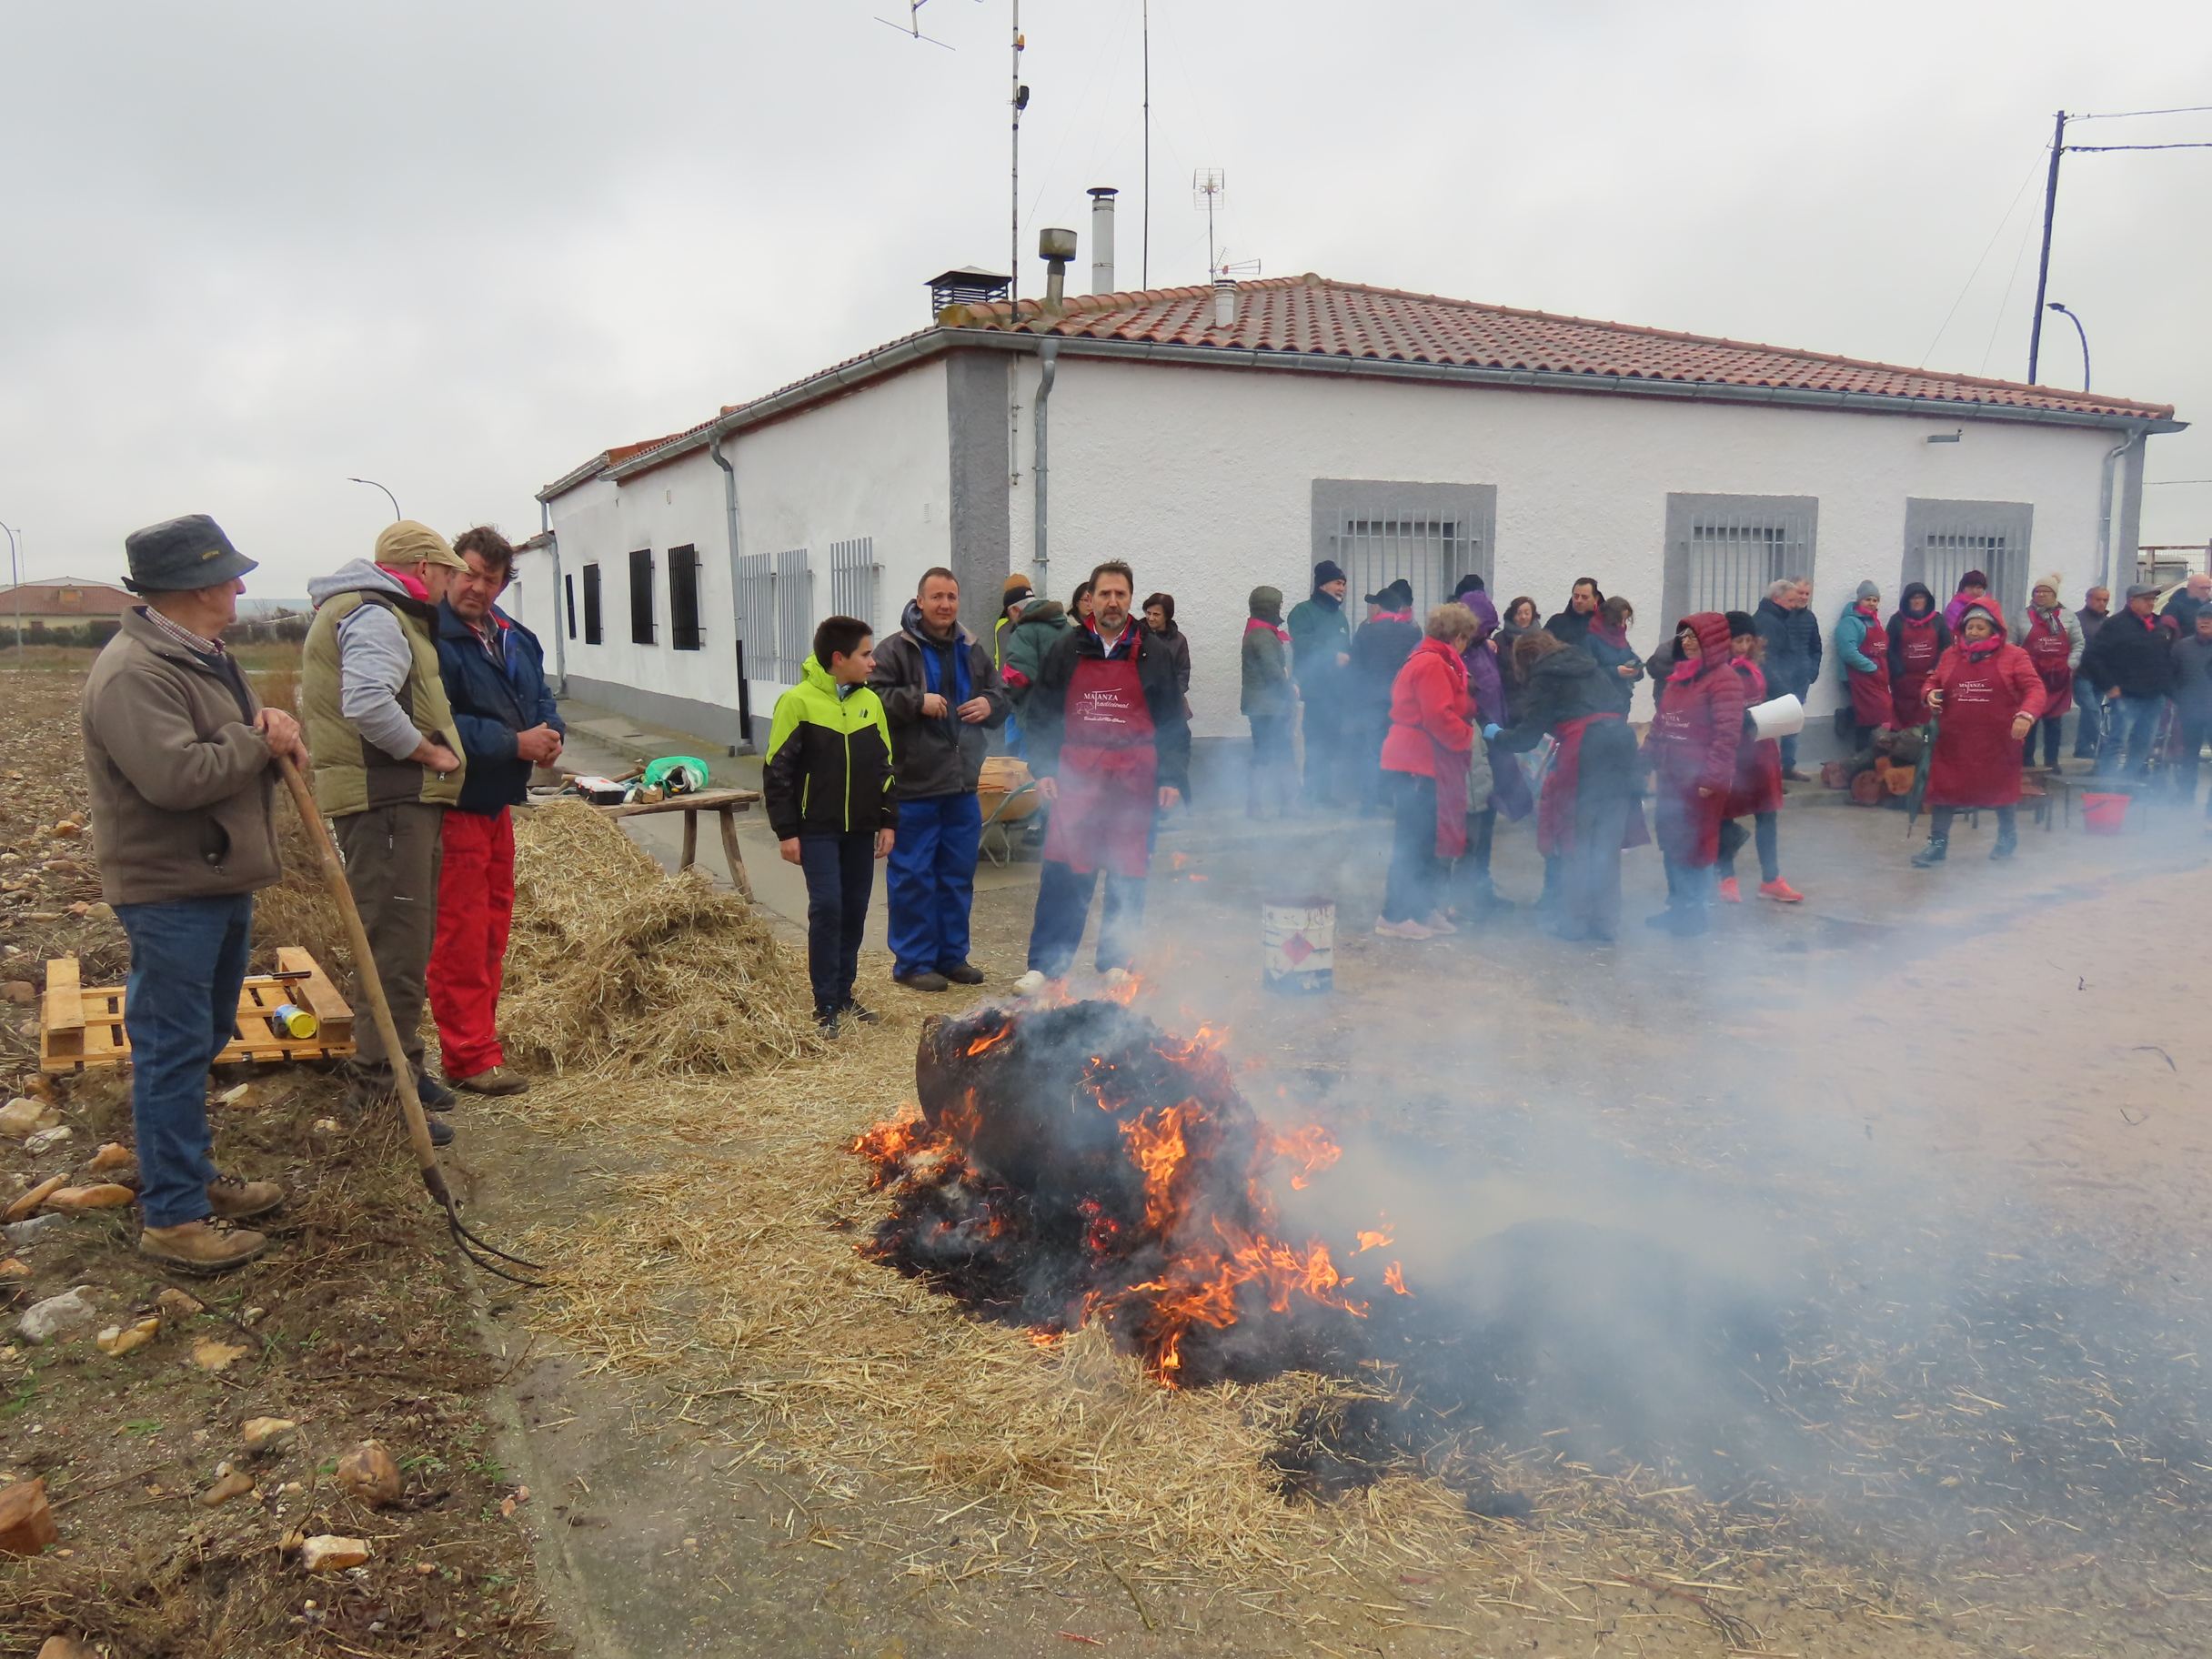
<point x="615" y="965"/>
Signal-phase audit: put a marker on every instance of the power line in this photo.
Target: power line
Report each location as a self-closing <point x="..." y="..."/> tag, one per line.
<point x="2122" y="114"/>
<point x="2091" y="149"/>
<point x="2154" y="483"/>
<point x="1976" y="271"/>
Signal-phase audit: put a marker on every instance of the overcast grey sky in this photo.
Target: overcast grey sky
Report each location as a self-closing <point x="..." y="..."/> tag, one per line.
<point x="251" y="249"/>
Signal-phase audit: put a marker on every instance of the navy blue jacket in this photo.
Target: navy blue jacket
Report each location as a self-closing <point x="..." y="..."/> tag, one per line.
<point x="491" y="706"/>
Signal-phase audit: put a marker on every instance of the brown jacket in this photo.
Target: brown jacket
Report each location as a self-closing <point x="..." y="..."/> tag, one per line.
<point x="183" y="791"/>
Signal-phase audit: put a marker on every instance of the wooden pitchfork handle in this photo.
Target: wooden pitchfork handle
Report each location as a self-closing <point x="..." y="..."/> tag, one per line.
<point x="380" y="1010"/>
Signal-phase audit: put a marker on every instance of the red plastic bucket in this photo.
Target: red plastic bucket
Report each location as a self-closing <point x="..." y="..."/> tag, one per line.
<point x="2104" y="814"/>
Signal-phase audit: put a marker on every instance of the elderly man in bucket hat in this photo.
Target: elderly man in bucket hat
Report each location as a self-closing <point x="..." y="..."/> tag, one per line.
<point x="181" y="755"/>
<point x="388" y="764"/>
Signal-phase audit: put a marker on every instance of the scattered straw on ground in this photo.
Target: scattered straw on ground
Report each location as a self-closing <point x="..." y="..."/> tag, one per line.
<point x="616" y="966"/>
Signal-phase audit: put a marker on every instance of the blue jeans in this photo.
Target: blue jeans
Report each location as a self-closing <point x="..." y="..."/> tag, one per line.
<point x="840" y="871"/>
<point x="1063" y="904"/>
<point x="2134" y="720"/>
<point x="931" y="882"/>
<point x="180" y="1010"/>
<point x="1789" y="752"/>
<point x="2090" y="729"/>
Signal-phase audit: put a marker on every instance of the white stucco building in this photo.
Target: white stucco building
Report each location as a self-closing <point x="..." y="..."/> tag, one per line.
<point x="1222" y="440"/>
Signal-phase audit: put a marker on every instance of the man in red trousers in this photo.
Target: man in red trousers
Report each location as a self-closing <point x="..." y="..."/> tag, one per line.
<point x="494" y="672"/>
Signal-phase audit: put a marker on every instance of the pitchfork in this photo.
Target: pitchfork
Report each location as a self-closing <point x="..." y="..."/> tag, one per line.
<point x="403" y="1074"/>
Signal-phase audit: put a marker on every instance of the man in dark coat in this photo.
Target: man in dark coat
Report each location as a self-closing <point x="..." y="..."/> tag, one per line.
<point x="494" y="672"/>
<point x="1110" y="747"/>
<point x="2131" y="666"/>
<point x="2188" y="599"/>
<point x="1386" y="641"/>
<point x="940" y="696"/>
<point x="1791" y="633"/>
<point x="1321" y="655"/>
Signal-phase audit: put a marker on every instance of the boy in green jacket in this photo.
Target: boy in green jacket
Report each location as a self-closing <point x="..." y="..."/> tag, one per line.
<point x="831" y="803"/>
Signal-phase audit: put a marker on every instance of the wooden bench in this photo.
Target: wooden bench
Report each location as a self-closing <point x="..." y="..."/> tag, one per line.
<point x="725" y="804"/>
<point x="79" y="1028"/>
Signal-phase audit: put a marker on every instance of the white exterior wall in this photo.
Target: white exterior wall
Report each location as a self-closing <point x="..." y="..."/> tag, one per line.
<point x="1203" y="479"/>
<point x="873" y="463"/>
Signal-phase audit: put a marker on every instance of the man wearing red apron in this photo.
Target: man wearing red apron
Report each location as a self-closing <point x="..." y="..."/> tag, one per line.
<point x="1110" y="744"/>
<point x="2051" y="635"/>
<point x="1862" y="657"/>
<point x="1918" y="637"/>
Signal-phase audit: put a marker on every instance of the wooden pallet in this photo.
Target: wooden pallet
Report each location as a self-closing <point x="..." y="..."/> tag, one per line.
<point x="81" y="1029"/>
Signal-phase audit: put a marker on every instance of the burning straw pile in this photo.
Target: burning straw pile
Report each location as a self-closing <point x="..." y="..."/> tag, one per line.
<point x="615" y="965"/>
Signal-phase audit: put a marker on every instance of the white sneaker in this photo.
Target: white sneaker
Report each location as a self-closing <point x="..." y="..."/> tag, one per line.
<point x="1031" y="984"/>
<point x="1116" y="978"/>
<point x="1403" y="930"/>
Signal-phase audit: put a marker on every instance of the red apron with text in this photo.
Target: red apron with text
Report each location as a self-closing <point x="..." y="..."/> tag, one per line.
<point x="1109" y="772"/>
<point x="1757" y="785"/>
<point x="1919" y="649"/>
<point x="1976" y="762"/>
<point x="1562" y="783"/>
<point x="1871" y="704"/>
<point x="2049" y="647"/>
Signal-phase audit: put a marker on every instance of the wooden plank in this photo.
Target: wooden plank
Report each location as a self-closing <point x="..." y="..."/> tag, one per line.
<point x="704" y="800"/>
<point x="62" y="1032"/>
<point x="737" y="876"/>
<point x="100" y="1038"/>
<point x="690" y="839"/>
<point x="317" y="993"/>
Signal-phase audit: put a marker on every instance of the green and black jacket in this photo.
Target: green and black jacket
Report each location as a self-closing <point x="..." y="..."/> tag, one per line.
<point x="829" y="761"/>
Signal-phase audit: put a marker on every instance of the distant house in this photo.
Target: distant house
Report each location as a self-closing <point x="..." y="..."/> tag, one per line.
<point x="62" y="601"/>
<point x="1219" y="441"/>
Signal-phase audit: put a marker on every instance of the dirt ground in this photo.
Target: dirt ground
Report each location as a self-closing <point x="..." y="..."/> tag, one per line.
<point x="1950" y="1122"/>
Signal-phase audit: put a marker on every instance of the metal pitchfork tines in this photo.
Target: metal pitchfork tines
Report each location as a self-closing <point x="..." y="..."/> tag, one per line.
<point x="477" y="1251"/>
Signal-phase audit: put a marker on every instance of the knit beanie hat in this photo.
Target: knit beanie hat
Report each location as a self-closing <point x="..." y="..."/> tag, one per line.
<point x="1325" y="572"/>
<point x="1467" y="584"/>
<point x="2047" y="581"/>
<point x="1740" y="624"/>
<point x="1867" y="590"/>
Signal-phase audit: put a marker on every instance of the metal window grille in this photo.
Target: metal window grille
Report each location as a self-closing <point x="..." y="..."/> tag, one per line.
<point x="757" y="612"/>
<point x="854" y="579"/>
<point x="567" y="584"/>
<point x="1948" y="555"/>
<point x="641" y="597"/>
<point x="684" y="631"/>
<point x="794" y="613"/>
<point x="1429" y="553"/>
<point x="1723" y="552"/>
<point x="592" y="633"/>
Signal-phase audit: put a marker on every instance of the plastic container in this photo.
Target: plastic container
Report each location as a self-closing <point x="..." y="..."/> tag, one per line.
<point x="2103" y="813"/>
<point x="1298" y="945"/>
<point x="294" y="1022"/>
<point x="1779" y="717"/>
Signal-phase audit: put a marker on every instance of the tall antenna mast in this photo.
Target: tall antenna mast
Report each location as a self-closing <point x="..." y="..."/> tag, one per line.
<point x="1021" y="102"/>
<point x="1209" y="185"/>
<point x="1146" y="279"/>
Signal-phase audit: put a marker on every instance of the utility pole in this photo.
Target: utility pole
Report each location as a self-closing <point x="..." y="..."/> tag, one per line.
<point x="1145" y="278"/>
<point x="2043" y="265"/>
<point x="1013" y="241"/>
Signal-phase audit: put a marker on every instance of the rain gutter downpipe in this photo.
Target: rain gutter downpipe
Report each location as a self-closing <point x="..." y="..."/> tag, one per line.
<point x="736" y="602"/>
<point x="1048" y="358"/>
<point x="2107" y="489"/>
<point x="560" y="605"/>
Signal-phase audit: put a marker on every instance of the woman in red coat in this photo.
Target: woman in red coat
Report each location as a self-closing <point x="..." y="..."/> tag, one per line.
<point x="1425" y="756"/>
<point x="1756" y="793"/>
<point x="1987" y="696"/>
<point x="1693" y="746"/>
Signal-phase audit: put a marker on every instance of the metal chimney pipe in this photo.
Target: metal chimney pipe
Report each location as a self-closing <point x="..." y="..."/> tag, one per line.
<point x="1055" y="246"/>
<point x="1102" y="238"/>
<point x="1224" y="302"/>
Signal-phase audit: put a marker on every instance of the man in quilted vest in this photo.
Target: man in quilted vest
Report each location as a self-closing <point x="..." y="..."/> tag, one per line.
<point x="388" y="764"/>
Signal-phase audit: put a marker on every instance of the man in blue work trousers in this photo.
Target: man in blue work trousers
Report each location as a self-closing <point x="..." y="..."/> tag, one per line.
<point x="941" y="696"/>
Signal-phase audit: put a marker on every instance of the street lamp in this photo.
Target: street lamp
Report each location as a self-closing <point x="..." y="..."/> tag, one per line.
<point x="395" y="499"/>
<point x="14" y="577"/>
<point x="2078" y="329"/>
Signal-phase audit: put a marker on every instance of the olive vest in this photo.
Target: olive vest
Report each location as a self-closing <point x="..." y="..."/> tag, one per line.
<point x="352" y="776"/>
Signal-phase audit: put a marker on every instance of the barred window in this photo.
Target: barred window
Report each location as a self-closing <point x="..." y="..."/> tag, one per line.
<point x="854" y="577"/>
<point x="757" y="613"/>
<point x="1945" y="540"/>
<point x="1428" y="535"/>
<point x="1724" y="552"/>
<point x="794" y="613"/>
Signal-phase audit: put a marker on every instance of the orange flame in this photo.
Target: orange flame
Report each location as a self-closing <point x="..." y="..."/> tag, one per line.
<point x="1310" y="1148"/>
<point x="990" y="1039"/>
<point x="1394" y="1276"/>
<point x="1375" y="1240"/>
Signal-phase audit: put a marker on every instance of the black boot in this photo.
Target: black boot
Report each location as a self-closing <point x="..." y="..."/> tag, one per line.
<point x="1933" y="853"/>
<point x="2008" y="843"/>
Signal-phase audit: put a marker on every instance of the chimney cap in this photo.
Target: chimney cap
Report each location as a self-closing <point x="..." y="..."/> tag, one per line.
<point x="1054" y="243"/>
<point x="1103" y="190"/>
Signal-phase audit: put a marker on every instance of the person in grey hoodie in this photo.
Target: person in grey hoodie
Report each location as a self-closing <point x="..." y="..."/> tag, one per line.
<point x="2193" y="703"/>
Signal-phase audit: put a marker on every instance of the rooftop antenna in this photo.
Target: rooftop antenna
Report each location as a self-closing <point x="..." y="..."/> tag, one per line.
<point x="1209" y="185"/>
<point x="912" y="26"/>
<point x="1145" y="278"/>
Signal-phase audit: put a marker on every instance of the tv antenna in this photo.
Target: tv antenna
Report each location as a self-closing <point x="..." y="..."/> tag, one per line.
<point x="1209" y="185"/>
<point x="1020" y="101"/>
<point x="912" y="26"/>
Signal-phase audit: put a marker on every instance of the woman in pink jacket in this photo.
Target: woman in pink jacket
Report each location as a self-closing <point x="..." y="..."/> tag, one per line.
<point x="1425" y="756"/>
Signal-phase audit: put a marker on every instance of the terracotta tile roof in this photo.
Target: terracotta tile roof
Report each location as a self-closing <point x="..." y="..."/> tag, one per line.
<point x="65" y="596"/>
<point x="1313" y="315"/>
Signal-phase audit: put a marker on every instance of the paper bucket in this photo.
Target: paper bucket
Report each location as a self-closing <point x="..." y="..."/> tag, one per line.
<point x="1780" y="717"/>
<point x="2102" y="813"/>
<point x="1298" y="944"/>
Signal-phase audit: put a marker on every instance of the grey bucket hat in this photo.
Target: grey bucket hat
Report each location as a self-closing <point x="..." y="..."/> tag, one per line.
<point x="181" y="554"/>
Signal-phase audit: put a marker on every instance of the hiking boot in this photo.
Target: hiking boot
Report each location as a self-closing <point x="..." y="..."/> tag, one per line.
<point x="233" y="1198"/>
<point x="1436" y="921"/>
<point x="865" y="1016"/>
<point x="923" y="978"/>
<point x="1780" y="892"/>
<point x="492" y="1080"/>
<point x="1730" y="892"/>
<point x="962" y="973"/>
<point x="441" y="1131"/>
<point x="1933" y="853"/>
<point x="434" y="1095"/>
<point x="826" y="1022"/>
<point x="2008" y="843"/>
<point x="201" y="1247"/>
<point x="1402" y="929"/>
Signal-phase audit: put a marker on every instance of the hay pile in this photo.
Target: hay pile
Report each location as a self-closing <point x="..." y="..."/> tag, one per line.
<point x="614" y="966"/>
